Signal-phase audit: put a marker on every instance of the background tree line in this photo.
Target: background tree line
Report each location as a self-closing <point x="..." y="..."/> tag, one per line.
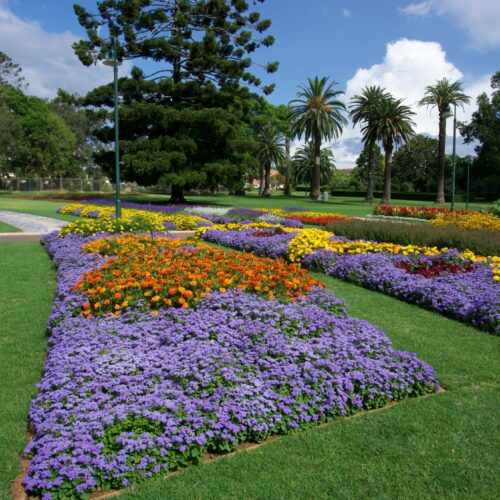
<point x="195" y="119"/>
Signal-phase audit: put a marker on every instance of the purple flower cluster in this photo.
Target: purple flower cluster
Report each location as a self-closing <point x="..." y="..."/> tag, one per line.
<point x="271" y="246"/>
<point x="130" y="397"/>
<point x="471" y="297"/>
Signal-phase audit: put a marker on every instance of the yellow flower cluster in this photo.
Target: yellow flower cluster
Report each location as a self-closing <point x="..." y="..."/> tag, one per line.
<point x="88" y="227"/>
<point x="182" y="221"/>
<point x="310" y="240"/>
<point x="493" y="262"/>
<point x="307" y="241"/>
<point x="236" y="226"/>
<point x="475" y="220"/>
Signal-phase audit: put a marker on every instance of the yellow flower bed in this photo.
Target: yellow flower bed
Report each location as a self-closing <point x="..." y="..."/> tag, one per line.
<point x="307" y="241"/>
<point x="474" y="220"/>
<point x="182" y="221"/>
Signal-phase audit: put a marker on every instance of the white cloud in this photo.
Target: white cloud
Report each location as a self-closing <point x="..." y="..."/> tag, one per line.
<point x="408" y="67"/>
<point x="417" y="9"/>
<point x="47" y="59"/>
<point x="346" y="13"/>
<point x="479" y="19"/>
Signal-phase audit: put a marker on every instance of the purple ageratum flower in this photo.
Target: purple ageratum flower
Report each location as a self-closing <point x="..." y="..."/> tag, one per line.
<point x="245" y="213"/>
<point x="128" y="397"/>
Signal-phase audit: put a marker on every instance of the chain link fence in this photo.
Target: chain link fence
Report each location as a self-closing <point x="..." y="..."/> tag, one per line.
<point x="66" y="185"/>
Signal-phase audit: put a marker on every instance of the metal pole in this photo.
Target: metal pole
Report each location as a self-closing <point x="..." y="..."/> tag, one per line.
<point x="118" y="208"/>
<point x="453" y="158"/>
<point x="469" y="161"/>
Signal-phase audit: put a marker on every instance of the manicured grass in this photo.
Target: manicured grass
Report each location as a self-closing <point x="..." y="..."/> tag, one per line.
<point x="346" y="205"/>
<point x="35" y="207"/>
<point x="26" y="296"/>
<point x="7" y="228"/>
<point x="442" y="446"/>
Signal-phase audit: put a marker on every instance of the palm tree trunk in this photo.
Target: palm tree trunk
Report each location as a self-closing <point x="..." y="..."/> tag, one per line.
<point x="288" y="187"/>
<point x="267" y="180"/>
<point x="386" y="199"/>
<point x="371" y="154"/>
<point x="316" y="177"/>
<point x="261" y="179"/>
<point x="442" y="157"/>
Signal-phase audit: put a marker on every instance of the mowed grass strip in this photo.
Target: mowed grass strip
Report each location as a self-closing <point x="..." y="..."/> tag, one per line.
<point x="353" y="206"/>
<point x="34" y="206"/>
<point x="7" y="228"/>
<point x="26" y="295"/>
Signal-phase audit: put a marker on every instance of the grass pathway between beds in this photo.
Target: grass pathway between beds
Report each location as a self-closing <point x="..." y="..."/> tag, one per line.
<point x="444" y="446"/>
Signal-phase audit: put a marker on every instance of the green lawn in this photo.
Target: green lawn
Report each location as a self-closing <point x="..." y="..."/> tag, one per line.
<point x="7" y="228"/>
<point x="346" y="205"/>
<point x="26" y="295"/>
<point x="442" y="446"/>
<point x="34" y="206"/>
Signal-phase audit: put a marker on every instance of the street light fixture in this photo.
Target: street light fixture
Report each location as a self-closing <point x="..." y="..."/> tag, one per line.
<point x="453" y="170"/>
<point x="114" y="63"/>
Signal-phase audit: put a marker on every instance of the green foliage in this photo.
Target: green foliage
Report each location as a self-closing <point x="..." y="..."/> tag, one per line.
<point x="359" y="177"/>
<point x="81" y="122"/>
<point x="317" y="114"/>
<point x="303" y="164"/>
<point x="10" y="72"/>
<point x="180" y="126"/>
<point x="45" y="146"/>
<point x="415" y="165"/>
<point x="480" y="242"/>
<point x="484" y="127"/>
<point x="442" y="95"/>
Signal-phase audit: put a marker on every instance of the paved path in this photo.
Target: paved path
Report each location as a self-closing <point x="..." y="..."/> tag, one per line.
<point x="32" y="226"/>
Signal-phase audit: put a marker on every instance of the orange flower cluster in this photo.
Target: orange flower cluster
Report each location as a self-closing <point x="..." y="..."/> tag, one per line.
<point x="153" y="273"/>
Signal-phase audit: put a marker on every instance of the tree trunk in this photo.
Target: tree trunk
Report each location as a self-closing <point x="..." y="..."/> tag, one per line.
<point x="267" y="180"/>
<point x="442" y="157"/>
<point x="177" y="194"/>
<point x="288" y="187"/>
<point x="369" y="194"/>
<point x="316" y="177"/>
<point x="386" y="199"/>
<point x="261" y="179"/>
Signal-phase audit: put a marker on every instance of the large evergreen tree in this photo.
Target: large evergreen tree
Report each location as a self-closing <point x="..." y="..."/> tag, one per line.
<point x="180" y="117"/>
<point x="10" y="72"/>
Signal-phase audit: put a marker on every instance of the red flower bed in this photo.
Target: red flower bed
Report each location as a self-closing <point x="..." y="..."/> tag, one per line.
<point x="436" y="268"/>
<point x="316" y="220"/>
<point x="415" y="212"/>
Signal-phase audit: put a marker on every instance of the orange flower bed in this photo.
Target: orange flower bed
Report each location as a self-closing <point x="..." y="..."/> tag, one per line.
<point x="155" y="273"/>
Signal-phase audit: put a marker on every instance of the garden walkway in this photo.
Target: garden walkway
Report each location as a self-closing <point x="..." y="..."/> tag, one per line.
<point x="32" y="226"/>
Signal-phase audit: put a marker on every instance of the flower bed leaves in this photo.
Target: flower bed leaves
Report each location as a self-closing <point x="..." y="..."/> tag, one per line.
<point x="128" y="397"/>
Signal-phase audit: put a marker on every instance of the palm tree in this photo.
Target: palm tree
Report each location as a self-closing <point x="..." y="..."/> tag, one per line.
<point x="270" y="150"/>
<point x="392" y="124"/>
<point x="361" y="110"/>
<point x="442" y="95"/>
<point x="317" y="114"/>
<point x="303" y="164"/>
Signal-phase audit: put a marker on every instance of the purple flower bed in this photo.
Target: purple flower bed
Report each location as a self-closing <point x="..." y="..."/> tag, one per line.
<point x="130" y="397"/>
<point x="271" y="246"/>
<point x="471" y="297"/>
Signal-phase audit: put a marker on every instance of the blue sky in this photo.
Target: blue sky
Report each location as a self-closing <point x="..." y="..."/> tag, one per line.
<point x="399" y="44"/>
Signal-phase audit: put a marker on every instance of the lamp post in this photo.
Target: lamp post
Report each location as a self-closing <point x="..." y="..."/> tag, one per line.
<point x="114" y="63"/>
<point x="469" y="164"/>
<point x="452" y="208"/>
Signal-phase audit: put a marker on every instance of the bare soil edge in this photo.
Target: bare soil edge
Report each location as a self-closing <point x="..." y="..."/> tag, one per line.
<point x="17" y="491"/>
